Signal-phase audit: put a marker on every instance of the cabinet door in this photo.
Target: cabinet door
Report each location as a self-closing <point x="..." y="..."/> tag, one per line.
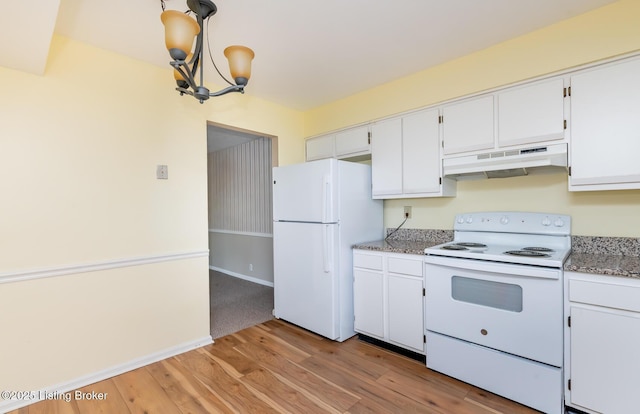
<point x="605" y="127"/>
<point x="468" y="125"/>
<point x="605" y="368"/>
<point x="405" y="311"/>
<point x="421" y="169"/>
<point x="368" y="302"/>
<point x="320" y="147"/>
<point x="386" y="157"/>
<point x="352" y="141"/>
<point x="531" y="113"/>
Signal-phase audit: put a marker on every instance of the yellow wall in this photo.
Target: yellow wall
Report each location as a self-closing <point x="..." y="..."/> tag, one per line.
<point x="79" y="148"/>
<point x="600" y="34"/>
<point x="78" y="152"/>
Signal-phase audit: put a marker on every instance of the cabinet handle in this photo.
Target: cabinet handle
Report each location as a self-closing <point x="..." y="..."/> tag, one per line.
<point x="483" y="331"/>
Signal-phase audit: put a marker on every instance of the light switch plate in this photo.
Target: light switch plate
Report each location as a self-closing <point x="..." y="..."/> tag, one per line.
<point x="162" y="172"/>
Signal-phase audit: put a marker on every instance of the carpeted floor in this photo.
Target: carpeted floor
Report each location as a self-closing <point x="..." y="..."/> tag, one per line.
<point x="237" y="304"/>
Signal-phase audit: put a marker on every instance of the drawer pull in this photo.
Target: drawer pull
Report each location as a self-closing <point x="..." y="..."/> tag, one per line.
<point x="483" y="331"/>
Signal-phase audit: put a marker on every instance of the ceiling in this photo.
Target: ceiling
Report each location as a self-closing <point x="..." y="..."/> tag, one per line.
<point x="308" y="53"/>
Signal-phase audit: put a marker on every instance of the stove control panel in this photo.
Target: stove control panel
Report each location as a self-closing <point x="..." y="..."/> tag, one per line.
<point x="514" y="222"/>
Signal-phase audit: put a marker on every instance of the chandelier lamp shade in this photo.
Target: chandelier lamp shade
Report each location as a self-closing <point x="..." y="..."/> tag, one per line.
<point x="181" y="29"/>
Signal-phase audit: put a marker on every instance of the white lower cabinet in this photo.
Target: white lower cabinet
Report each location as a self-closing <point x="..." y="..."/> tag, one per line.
<point x="602" y="366"/>
<point x="389" y="297"/>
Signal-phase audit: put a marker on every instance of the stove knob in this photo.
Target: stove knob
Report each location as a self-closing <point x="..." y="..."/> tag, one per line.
<point x="504" y="220"/>
<point x="460" y="219"/>
<point x="558" y="222"/>
<point x="469" y="219"/>
<point x="546" y="221"/>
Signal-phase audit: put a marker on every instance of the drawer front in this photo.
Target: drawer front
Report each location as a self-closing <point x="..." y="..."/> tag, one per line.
<point x="615" y="296"/>
<point x="405" y="266"/>
<point x="367" y="261"/>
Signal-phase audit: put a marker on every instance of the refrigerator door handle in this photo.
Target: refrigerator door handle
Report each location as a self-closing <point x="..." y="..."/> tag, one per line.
<point x="327" y="246"/>
<point x="327" y="199"/>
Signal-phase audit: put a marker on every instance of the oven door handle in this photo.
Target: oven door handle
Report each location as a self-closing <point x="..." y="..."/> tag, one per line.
<point x="494" y="267"/>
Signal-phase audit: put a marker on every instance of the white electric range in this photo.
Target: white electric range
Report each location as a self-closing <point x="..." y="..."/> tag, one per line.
<point x="493" y="305"/>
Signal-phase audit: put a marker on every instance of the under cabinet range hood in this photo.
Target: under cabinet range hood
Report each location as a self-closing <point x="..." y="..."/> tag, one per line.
<point x="507" y="163"/>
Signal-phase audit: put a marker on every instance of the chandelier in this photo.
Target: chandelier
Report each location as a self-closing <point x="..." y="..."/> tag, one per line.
<point x="180" y="31"/>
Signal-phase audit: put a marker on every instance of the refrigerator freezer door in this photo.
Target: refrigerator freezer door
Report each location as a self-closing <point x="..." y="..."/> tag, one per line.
<point x="306" y="192"/>
<point x="305" y="280"/>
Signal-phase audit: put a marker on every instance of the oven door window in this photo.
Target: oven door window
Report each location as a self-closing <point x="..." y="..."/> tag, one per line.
<point x="497" y="295"/>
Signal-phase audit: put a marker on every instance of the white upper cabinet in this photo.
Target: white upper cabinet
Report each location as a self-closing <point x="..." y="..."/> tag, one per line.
<point x="353" y="141"/>
<point x="605" y="127"/>
<point x="405" y="157"/>
<point x="421" y="166"/>
<point x="468" y="125"/>
<point x="386" y="158"/>
<point x="531" y="113"/>
<point x="320" y="147"/>
<point x="347" y="143"/>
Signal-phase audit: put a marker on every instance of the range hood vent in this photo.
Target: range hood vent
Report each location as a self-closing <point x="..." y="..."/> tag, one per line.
<point x="508" y="163"/>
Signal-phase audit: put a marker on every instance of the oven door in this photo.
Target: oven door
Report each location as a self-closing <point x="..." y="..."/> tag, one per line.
<point x="507" y="307"/>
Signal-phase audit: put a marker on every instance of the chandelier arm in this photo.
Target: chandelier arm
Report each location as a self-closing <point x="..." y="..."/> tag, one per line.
<point x="211" y="58"/>
<point x="184" y="91"/>
<point x="232" y="88"/>
<point x="183" y="69"/>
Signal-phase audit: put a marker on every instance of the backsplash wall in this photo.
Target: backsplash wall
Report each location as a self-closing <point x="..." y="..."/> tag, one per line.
<point x="593" y="213"/>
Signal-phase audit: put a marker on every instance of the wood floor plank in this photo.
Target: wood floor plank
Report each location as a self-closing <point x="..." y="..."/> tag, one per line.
<point x="301" y="379"/>
<point x="271" y="341"/>
<point x="289" y="398"/>
<point x="54" y="406"/>
<point x="113" y="403"/>
<point x="356" y="363"/>
<point x="366" y="388"/>
<point x="184" y="389"/>
<point x="496" y="402"/>
<point x="143" y="394"/>
<point x="227" y="387"/>
<point x="429" y="395"/>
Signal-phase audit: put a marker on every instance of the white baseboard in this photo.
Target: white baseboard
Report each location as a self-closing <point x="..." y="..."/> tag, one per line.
<point x="241" y="276"/>
<point x="67" y="387"/>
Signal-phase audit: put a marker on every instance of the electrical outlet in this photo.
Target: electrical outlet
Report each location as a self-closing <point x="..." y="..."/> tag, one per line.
<point x="407" y="211"/>
<point x="251" y="267"/>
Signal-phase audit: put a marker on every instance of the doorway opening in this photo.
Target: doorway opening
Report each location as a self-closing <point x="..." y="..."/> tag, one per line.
<point x="239" y="165"/>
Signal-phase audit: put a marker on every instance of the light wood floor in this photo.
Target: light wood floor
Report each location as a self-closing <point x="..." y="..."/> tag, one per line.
<point x="275" y="367"/>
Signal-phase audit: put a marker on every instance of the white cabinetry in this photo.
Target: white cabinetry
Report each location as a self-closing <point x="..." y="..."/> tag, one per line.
<point x="605" y="127"/>
<point x="468" y="125"/>
<point x="533" y="112"/>
<point x="389" y="297"/>
<point x="347" y="143"/>
<point x="405" y="157"/>
<point x="352" y="142"/>
<point x="529" y="113"/>
<point x="601" y="355"/>
<point x="386" y="158"/>
<point x="368" y="296"/>
<point x="320" y="147"/>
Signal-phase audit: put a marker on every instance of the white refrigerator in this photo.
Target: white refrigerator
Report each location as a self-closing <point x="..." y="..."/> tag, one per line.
<point x="320" y="209"/>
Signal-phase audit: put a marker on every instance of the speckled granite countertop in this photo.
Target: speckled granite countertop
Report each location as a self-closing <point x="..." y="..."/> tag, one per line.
<point x="604" y="264"/>
<point x="409" y="241"/>
<point x="396" y="246"/>
<point x="610" y="256"/>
